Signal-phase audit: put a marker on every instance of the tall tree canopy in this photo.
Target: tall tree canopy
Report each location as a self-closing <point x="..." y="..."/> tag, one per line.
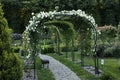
<point x="18" y="15"/>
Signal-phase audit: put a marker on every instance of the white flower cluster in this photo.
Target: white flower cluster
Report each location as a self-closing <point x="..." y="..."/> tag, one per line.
<point x="99" y="32"/>
<point x="37" y="18"/>
<point x="29" y="51"/>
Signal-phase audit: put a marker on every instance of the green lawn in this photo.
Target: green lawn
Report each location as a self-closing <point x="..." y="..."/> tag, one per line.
<point x="43" y="74"/>
<point x="111" y="66"/>
<point x="84" y="75"/>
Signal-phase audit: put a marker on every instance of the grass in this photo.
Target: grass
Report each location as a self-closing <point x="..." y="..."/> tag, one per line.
<point x="42" y="73"/>
<point x="111" y="66"/>
<point x="84" y="75"/>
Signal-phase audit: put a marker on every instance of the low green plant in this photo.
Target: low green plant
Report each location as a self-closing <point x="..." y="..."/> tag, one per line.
<point x="12" y="68"/>
<point x="64" y="49"/>
<point x="23" y="52"/>
<point x="107" y="76"/>
<point x="10" y="64"/>
<point x="47" y="49"/>
<point x="113" y="51"/>
<point x="16" y="49"/>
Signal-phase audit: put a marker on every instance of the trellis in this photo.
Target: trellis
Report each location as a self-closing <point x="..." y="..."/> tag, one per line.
<point x="39" y="19"/>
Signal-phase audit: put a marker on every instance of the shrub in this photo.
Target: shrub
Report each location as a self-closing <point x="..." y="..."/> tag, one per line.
<point x="16" y="49"/>
<point x="11" y="67"/>
<point x="116" y="51"/>
<point x="23" y="52"/>
<point x="64" y="49"/>
<point x="107" y="76"/>
<point x="108" y="51"/>
<point x="47" y="49"/>
<point x="113" y="51"/>
<point x="119" y="68"/>
<point x="100" y="50"/>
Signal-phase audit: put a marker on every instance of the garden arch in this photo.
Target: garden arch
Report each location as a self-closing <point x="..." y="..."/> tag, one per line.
<point x="39" y="19"/>
<point x="67" y="31"/>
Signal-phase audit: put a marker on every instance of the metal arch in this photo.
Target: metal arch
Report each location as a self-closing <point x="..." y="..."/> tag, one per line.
<point x="95" y="49"/>
<point x="58" y="17"/>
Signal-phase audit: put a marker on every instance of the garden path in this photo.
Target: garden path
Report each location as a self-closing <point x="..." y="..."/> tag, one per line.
<point x="60" y="71"/>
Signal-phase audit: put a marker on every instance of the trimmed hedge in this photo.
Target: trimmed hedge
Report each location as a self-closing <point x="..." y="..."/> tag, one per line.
<point x="64" y="49"/>
<point x="16" y="49"/>
<point x="23" y="52"/>
<point x="11" y="67"/>
<point x="51" y="49"/>
<point x="47" y="49"/>
<point x="109" y="51"/>
<point x="113" y="51"/>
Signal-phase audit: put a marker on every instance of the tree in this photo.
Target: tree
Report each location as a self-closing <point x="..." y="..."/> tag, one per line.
<point x="10" y="66"/>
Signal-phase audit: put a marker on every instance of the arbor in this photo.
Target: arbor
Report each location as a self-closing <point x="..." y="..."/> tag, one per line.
<point x="10" y="66"/>
<point x="38" y="21"/>
<point x="66" y="29"/>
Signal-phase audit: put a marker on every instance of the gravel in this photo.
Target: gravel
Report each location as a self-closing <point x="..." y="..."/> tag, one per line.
<point x="29" y="75"/>
<point x="59" y="70"/>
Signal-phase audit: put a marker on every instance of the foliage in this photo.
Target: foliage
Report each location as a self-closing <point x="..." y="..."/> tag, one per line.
<point x="118" y="32"/>
<point x="18" y="15"/>
<point x="4" y="33"/>
<point x="23" y="52"/>
<point x="107" y="76"/>
<point x="66" y="28"/>
<point x="63" y="48"/>
<point x="47" y="49"/>
<point x="109" y="50"/>
<point x="107" y="34"/>
<point x="32" y="30"/>
<point x="110" y="66"/>
<point x="113" y="51"/>
<point x="20" y="12"/>
<point x="84" y="75"/>
<point x="63" y="30"/>
<point x="10" y="65"/>
<point x="16" y="49"/>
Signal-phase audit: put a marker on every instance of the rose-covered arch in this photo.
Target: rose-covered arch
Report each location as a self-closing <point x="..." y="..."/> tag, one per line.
<point x="38" y="20"/>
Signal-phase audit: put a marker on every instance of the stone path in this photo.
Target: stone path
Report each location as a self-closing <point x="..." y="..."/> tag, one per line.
<point x="91" y="70"/>
<point x="60" y="71"/>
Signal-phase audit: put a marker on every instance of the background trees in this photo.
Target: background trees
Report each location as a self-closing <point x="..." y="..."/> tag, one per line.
<point x="18" y="12"/>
